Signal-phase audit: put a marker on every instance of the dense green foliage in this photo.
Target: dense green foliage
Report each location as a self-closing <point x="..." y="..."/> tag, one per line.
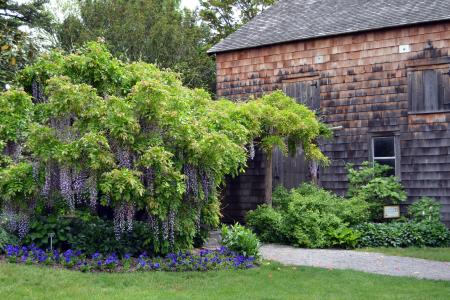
<point x="154" y="31"/>
<point x="6" y="239"/>
<point x="89" y="234"/>
<point x="309" y="217"/>
<point x="425" y="209"/>
<point x="93" y="131"/>
<point x="371" y="184"/>
<point x="17" y="47"/>
<point x="423" y="229"/>
<point x="267" y="223"/>
<point x="226" y="16"/>
<point x="241" y="240"/>
<point x="403" y="234"/>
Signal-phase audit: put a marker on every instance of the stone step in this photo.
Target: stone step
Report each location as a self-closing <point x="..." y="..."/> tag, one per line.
<point x="213" y="241"/>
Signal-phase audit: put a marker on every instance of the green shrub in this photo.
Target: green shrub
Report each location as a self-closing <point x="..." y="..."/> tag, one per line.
<point x="309" y="216"/>
<point x="6" y="239"/>
<point x="98" y="236"/>
<point x="306" y="227"/>
<point x="403" y="234"/>
<point x="89" y="234"/>
<point x="281" y="198"/>
<point x="371" y="184"/>
<point x="352" y="211"/>
<point x="358" y="178"/>
<point x="41" y="227"/>
<point x="435" y="234"/>
<point x="266" y="222"/>
<point x="344" y="237"/>
<point x="425" y="209"/>
<point x="240" y="239"/>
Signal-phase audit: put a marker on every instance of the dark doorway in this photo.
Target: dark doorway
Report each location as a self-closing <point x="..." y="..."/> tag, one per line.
<point x="292" y="171"/>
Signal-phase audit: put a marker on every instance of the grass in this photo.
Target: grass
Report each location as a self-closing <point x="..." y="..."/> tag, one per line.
<point x="268" y="282"/>
<point x="439" y="254"/>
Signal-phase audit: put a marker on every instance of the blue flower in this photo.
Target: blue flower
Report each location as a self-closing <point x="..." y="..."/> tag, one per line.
<point x="12" y="250"/>
<point x="56" y="255"/>
<point x="142" y="263"/>
<point x="42" y="258"/>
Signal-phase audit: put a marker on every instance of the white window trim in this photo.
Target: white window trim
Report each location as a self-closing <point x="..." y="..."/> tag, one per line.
<point x="384" y="157"/>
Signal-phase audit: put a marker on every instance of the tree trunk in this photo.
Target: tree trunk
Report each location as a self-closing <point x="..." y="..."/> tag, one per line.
<point x="314" y="171"/>
<point x="268" y="180"/>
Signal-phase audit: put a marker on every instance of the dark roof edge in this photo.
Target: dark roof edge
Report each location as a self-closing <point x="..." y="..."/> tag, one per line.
<point x="211" y="51"/>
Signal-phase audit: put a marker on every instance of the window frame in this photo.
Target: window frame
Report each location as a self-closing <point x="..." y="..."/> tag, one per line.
<point x="397" y="150"/>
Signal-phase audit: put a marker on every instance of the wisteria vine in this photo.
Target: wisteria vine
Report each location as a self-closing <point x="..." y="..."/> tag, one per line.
<point x="104" y="135"/>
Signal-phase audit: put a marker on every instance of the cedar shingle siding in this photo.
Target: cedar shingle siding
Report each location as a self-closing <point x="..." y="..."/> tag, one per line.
<point x="364" y="85"/>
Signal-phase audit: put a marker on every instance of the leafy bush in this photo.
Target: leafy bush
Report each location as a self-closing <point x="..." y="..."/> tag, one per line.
<point x="403" y="234"/>
<point x="371" y="184"/>
<point x="89" y="234"/>
<point x="98" y="235"/>
<point x="281" y="198"/>
<point x="6" y="239"/>
<point x="309" y="216"/>
<point x="305" y="226"/>
<point x="132" y="138"/>
<point x="360" y="177"/>
<point x="425" y="209"/>
<point x="240" y="239"/>
<point x="344" y="237"/>
<point x="41" y="228"/>
<point x="266" y="223"/>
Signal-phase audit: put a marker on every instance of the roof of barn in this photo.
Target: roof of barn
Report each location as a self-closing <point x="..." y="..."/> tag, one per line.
<point x="293" y="20"/>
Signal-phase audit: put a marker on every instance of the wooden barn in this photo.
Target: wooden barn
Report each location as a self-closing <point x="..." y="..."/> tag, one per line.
<point x="377" y="71"/>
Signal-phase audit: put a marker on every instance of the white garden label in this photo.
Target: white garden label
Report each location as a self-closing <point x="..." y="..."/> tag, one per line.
<point x="392" y="212"/>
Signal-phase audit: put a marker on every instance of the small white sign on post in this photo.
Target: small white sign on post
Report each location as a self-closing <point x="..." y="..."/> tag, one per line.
<point x="392" y="212"/>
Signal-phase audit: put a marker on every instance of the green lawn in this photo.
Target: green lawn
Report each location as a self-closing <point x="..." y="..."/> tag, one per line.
<point x="439" y="254"/>
<point x="268" y="282"/>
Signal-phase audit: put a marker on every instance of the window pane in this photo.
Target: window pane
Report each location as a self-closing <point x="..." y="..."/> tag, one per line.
<point x="389" y="162"/>
<point x="383" y="147"/>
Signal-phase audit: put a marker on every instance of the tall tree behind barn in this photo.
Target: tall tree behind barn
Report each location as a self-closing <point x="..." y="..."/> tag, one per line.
<point x="382" y="70"/>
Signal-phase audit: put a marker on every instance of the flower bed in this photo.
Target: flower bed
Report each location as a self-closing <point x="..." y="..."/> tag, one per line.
<point x="205" y="260"/>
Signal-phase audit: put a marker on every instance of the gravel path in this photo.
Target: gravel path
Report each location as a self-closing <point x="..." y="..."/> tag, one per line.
<point x="360" y="261"/>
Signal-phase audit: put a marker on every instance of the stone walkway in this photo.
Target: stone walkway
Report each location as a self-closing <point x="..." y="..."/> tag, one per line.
<point x="360" y="261"/>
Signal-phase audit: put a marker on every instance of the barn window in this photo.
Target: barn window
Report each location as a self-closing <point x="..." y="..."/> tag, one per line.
<point x="306" y="92"/>
<point x="429" y="90"/>
<point x="384" y="152"/>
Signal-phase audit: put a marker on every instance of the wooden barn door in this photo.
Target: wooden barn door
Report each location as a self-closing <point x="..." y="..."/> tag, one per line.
<point x="292" y="171"/>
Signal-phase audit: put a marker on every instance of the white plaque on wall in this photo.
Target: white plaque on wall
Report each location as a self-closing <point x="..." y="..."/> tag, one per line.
<point x="404" y="49"/>
<point x="391" y="212"/>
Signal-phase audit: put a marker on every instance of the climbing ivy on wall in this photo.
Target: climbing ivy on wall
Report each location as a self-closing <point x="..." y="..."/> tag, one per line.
<point x="91" y="130"/>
